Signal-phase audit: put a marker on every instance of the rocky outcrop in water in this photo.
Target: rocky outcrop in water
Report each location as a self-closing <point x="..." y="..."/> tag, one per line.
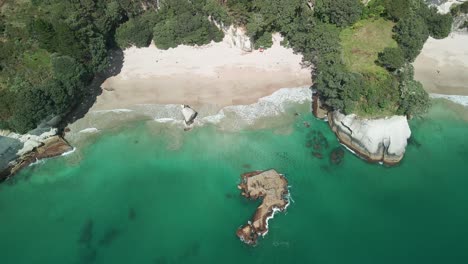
<point x="18" y="151"/>
<point x="376" y="140"/>
<point x="189" y="114"/>
<point x="273" y="188"/>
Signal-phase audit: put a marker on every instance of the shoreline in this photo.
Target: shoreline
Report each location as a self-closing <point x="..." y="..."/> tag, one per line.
<point x="442" y="65"/>
<point x="216" y="74"/>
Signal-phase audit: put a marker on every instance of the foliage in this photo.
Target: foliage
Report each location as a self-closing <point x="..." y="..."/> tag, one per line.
<point x="184" y="23"/>
<point x="439" y="25"/>
<point x="342" y="13"/>
<point x="392" y="58"/>
<point x="414" y="100"/>
<point x="137" y="31"/>
<point x="397" y="9"/>
<point x="49" y="52"/>
<point x="411" y="34"/>
<point x="459" y="9"/>
<point x="264" y="41"/>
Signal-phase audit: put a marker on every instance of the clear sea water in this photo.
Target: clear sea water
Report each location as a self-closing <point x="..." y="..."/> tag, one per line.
<point x="134" y="196"/>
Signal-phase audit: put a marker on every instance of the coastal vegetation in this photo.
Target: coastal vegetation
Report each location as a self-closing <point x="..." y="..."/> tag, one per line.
<point x="50" y="50"/>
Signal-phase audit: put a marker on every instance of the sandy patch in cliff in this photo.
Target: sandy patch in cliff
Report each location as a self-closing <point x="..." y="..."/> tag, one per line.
<point x="216" y="74"/>
<point x="442" y="66"/>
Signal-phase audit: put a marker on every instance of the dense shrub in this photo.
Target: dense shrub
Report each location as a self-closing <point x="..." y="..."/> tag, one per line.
<point x="341" y="13"/>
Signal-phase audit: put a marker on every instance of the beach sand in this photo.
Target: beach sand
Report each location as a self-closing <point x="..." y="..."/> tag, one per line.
<point x="442" y="66"/>
<point x="215" y="74"/>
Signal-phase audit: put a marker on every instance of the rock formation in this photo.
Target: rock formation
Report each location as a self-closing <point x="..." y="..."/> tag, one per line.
<point x="377" y="140"/>
<point x="236" y="37"/>
<point x="320" y="110"/>
<point x="189" y="114"/>
<point x="444" y="5"/>
<point x="18" y="151"/>
<point x="273" y="188"/>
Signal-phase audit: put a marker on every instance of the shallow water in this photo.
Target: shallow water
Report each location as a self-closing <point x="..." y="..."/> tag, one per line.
<point x="136" y="196"/>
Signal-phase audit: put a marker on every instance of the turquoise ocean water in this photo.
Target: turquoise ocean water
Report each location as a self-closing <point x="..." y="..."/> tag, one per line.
<point x="133" y="196"/>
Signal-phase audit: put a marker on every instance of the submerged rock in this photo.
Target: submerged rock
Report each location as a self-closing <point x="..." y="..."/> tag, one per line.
<point x="377" y="140"/>
<point x="337" y="156"/>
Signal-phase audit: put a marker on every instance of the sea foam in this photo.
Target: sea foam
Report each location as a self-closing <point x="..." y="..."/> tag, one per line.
<point x="459" y="99"/>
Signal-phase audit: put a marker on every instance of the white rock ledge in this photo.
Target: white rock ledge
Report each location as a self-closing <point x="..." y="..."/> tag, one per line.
<point x="376" y="140"/>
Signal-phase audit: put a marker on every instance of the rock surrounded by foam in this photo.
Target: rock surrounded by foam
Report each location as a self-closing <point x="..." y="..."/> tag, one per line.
<point x="189" y="114"/>
<point x="272" y="187"/>
<point x="377" y="140"/>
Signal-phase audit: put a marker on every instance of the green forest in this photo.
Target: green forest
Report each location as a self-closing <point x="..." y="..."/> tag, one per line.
<point x="50" y="50"/>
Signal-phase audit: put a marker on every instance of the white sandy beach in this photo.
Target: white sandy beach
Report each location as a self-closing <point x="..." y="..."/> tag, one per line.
<point x="442" y="66"/>
<point x="216" y="74"/>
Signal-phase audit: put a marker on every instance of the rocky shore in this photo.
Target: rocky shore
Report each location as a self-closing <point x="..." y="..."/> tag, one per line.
<point x="273" y="188"/>
<point x="18" y="151"/>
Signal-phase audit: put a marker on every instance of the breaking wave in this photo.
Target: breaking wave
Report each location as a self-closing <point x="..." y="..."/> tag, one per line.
<point x="459" y="99"/>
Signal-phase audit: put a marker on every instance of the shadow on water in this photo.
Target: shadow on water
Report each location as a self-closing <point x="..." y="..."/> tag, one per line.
<point x="414" y="142"/>
<point x="86" y="235"/>
<point x="161" y="260"/>
<point x="116" y="59"/>
<point x="110" y="236"/>
<point x="191" y="251"/>
<point x="131" y="214"/>
<point x="87" y="252"/>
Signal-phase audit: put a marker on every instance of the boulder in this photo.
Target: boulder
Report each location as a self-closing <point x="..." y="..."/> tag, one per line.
<point x="376" y="140"/>
<point x="189" y="114"/>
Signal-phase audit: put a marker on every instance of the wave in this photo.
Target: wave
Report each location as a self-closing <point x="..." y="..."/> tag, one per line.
<point x="459" y="99"/>
<point x="231" y="117"/>
<point x="123" y="110"/>
<point x="68" y="152"/>
<point x="89" y="130"/>
<point x="276" y="104"/>
<point x="37" y="162"/>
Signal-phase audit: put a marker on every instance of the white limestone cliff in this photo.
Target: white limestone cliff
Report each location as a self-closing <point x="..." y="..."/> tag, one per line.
<point x="377" y="140"/>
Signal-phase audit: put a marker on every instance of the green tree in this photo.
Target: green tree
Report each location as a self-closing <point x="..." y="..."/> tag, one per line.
<point x="136" y="31"/>
<point x="342" y="13"/>
<point x="414" y="99"/>
<point x="391" y="58"/>
<point x="411" y="34"/>
<point x="397" y="9"/>
<point x="439" y="25"/>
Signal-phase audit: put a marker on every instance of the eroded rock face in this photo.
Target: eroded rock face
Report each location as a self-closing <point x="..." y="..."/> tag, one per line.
<point x="377" y="140"/>
<point x="237" y="38"/>
<point x="270" y="186"/>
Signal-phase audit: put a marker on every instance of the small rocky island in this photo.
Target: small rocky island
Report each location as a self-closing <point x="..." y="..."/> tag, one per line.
<point x="273" y="188"/>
